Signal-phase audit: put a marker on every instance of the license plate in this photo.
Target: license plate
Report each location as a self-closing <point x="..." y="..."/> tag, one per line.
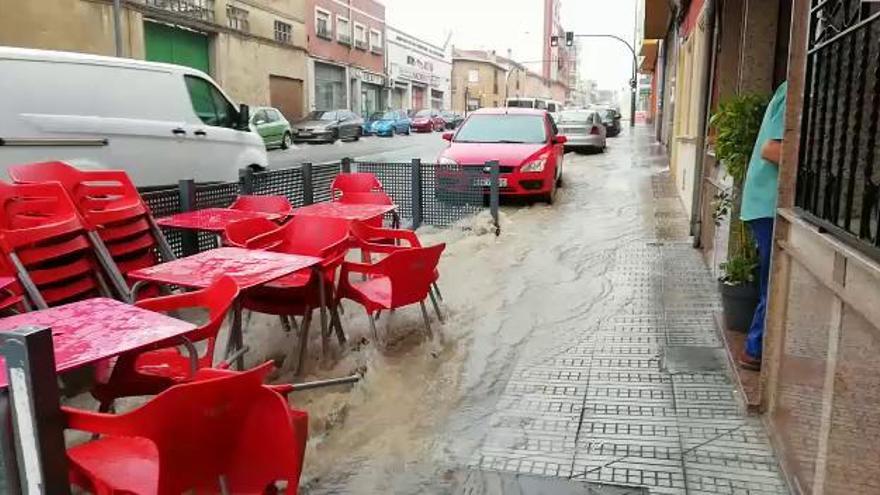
<point x="304" y="133"/>
<point x="486" y="182"/>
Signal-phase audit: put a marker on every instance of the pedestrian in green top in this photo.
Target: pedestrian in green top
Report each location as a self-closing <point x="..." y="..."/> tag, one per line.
<point x="759" y="210"/>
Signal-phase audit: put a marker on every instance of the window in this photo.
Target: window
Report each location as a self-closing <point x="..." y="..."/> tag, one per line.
<point x="323" y="29"/>
<point x="360" y="36"/>
<point x="375" y="41"/>
<point x="209" y="103"/>
<point x="259" y="117"/>
<point x="237" y="18"/>
<point x="516" y="129"/>
<point x="283" y="32"/>
<point x="343" y="30"/>
<point x="495" y="83"/>
<point x="473" y="76"/>
<point x="410" y="60"/>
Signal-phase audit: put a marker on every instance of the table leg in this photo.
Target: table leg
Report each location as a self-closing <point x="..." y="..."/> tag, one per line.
<point x="236" y="339"/>
<point x="325" y="335"/>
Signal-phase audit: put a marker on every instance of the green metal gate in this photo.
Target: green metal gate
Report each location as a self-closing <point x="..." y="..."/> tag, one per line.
<point x="177" y="46"/>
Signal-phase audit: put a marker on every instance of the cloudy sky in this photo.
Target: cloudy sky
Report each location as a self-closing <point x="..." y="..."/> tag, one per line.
<point x="518" y="25"/>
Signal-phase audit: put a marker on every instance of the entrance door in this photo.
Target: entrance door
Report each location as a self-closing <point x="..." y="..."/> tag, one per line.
<point x="176" y="46"/>
<point x="286" y="94"/>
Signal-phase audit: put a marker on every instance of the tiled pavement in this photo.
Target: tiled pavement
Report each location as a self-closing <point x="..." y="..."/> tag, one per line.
<point x="644" y="397"/>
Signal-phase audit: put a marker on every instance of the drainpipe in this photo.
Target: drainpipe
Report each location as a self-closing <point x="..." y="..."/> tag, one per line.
<point x="117" y="26"/>
<point x="710" y="44"/>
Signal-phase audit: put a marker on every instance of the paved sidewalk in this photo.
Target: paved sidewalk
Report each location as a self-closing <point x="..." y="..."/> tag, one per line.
<point x="643" y="398"/>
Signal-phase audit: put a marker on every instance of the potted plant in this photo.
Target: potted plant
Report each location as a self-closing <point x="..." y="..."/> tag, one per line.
<point x="736" y="124"/>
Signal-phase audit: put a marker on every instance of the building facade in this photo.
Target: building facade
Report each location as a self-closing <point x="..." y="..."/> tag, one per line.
<point x="346" y="43"/>
<point x="478" y="80"/>
<point x="420" y="73"/>
<point x="255" y="49"/>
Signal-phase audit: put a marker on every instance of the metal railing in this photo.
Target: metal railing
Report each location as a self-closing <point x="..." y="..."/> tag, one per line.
<point x="196" y="9"/>
<point x="838" y="180"/>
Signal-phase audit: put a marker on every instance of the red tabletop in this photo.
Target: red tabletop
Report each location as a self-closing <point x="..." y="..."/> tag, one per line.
<point x="89" y="331"/>
<point x="347" y="211"/>
<point x="6" y="282"/>
<point x="248" y="267"/>
<point x="211" y="219"/>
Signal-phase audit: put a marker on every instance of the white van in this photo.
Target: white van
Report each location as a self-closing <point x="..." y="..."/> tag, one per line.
<point x="158" y="122"/>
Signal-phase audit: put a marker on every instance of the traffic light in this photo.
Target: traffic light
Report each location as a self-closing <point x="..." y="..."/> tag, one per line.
<point x="569" y="38"/>
<point x="632" y="83"/>
<point x="554" y="41"/>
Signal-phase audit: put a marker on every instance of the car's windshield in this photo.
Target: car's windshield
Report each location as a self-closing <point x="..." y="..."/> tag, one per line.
<point x="376" y="116"/>
<point x="423" y="113"/>
<point x="387" y="116"/>
<point x="570" y="117"/>
<point x="610" y="114"/>
<point x="503" y="129"/>
<point x="322" y="115"/>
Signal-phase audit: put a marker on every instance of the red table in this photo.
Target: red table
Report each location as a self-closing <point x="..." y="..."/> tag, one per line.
<point x="248" y="267"/>
<point x="347" y="211"/>
<point x="89" y="331"/>
<point x="211" y="219"/>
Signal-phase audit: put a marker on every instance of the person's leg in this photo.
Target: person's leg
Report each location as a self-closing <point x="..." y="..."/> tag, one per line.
<point x="762" y="230"/>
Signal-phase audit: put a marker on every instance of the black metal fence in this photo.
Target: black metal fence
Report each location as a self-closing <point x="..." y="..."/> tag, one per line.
<point x="838" y="183"/>
<point x="425" y="193"/>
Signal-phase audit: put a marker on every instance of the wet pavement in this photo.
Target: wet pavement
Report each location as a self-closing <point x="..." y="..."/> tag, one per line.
<point x="580" y="345"/>
<point x="425" y="147"/>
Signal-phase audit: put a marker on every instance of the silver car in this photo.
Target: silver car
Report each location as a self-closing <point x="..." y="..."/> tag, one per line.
<point x="583" y="128"/>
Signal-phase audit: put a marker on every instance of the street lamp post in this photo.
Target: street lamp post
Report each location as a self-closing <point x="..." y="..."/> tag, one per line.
<point x="634" y="81"/>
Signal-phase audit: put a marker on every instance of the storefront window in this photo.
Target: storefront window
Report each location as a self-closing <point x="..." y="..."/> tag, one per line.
<point x="329" y="87"/>
<point x="369" y="98"/>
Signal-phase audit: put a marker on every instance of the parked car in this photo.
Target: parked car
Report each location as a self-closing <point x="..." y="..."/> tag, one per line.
<point x="523" y="140"/>
<point x="390" y="123"/>
<point x="583" y="129"/>
<point x="427" y="121"/>
<point x="158" y="122"/>
<point x="271" y="126"/>
<point x="327" y="126"/>
<point x="367" y="126"/>
<point x="452" y="119"/>
<point x="611" y="120"/>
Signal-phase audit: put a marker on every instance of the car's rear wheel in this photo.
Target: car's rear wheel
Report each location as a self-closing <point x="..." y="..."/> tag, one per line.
<point x="285" y="140"/>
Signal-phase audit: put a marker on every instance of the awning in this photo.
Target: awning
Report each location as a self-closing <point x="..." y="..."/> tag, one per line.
<point x="656" y="20"/>
<point x="648" y="54"/>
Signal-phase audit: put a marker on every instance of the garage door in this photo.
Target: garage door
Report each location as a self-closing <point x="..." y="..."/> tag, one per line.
<point x="286" y="94"/>
<point x="177" y="46"/>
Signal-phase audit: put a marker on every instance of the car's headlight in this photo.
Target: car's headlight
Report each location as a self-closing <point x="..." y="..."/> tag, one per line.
<point x="446" y="161"/>
<point x="534" y="165"/>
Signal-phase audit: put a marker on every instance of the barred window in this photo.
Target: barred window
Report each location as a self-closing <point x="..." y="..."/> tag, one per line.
<point x="237" y="18"/>
<point x="283" y="32"/>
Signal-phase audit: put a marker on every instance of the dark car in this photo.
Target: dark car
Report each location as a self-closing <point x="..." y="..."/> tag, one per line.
<point x="427" y="121"/>
<point x="453" y="120"/>
<point x="611" y="120"/>
<point x="327" y="126"/>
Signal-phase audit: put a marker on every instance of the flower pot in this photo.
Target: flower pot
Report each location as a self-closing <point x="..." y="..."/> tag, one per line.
<point x="739" y="303"/>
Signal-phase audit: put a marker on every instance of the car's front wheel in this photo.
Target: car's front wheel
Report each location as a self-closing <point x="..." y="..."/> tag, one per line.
<point x="285" y="140"/>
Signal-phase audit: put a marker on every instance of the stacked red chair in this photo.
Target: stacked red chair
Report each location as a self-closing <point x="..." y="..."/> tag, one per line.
<point x="152" y="371"/>
<point x="224" y="432"/>
<point x="45" y="241"/>
<point x="298" y="294"/>
<point x="108" y="201"/>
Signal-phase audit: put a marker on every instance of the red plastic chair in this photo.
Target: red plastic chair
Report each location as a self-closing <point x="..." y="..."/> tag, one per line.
<point x="150" y="372"/>
<point x="366" y="198"/>
<point x="357" y="182"/>
<point x="109" y="203"/>
<point x="366" y="234"/>
<point x="401" y="278"/>
<point x="298" y="294"/>
<point x="46" y="243"/>
<point x="237" y="234"/>
<point x="225" y="431"/>
<point x="264" y="204"/>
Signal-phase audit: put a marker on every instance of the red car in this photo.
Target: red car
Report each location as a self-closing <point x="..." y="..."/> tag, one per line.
<point x="523" y="140"/>
<point x="427" y="121"/>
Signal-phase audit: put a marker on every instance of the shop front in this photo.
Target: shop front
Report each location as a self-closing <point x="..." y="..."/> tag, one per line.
<point x="418" y="96"/>
<point x="329" y="87"/>
<point x="372" y="92"/>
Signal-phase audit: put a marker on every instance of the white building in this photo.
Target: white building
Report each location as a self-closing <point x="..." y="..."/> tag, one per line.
<point x="420" y="73"/>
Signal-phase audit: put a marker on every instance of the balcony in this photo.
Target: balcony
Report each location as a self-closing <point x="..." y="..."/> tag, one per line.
<point x="202" y="10"/>
<point x="360" y="44"/>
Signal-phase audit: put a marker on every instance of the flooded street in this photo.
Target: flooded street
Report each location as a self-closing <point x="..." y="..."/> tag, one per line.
<point x="505" y="385"/>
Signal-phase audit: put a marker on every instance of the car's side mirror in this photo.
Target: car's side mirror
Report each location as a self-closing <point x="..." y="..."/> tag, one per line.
<point x="560" y="139"/>
<point x="447" y="136"/>
<point x="259" y="122"/>
<point x="244" y="117"/>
